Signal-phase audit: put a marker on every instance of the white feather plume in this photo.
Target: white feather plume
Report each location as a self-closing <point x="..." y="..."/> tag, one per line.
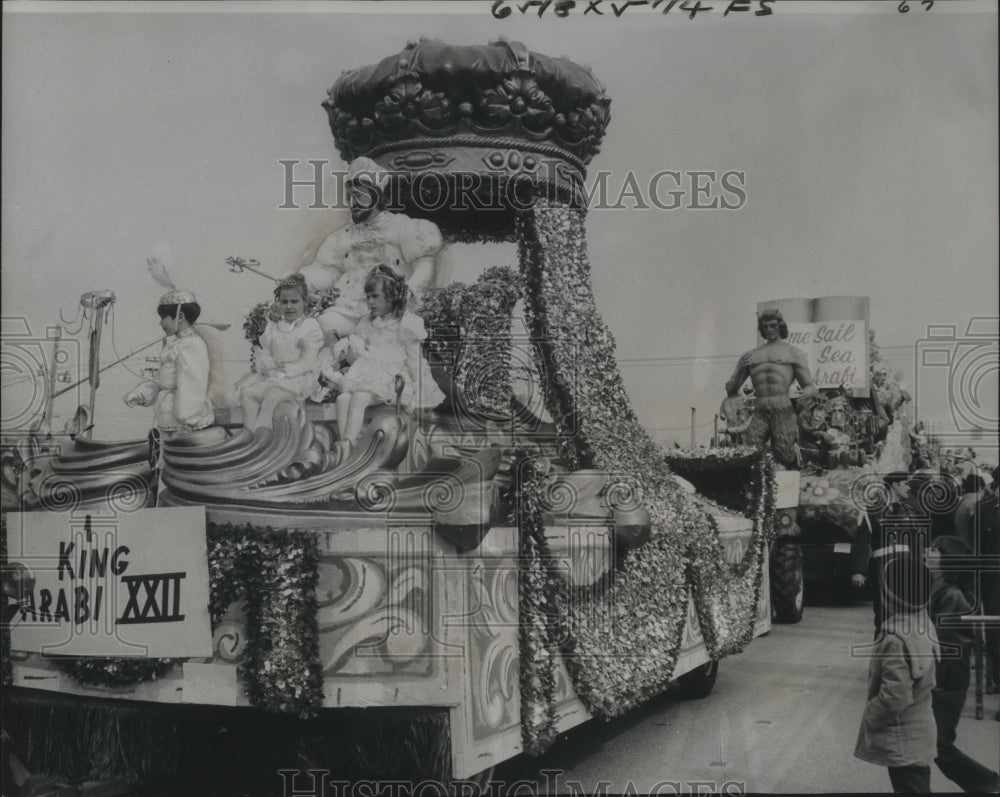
<point x="157" y="260"/>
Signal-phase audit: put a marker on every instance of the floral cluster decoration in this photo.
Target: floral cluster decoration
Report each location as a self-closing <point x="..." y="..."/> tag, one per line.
<point x="114" y="672"/>
<point x="275" y="572"/>
<point x="469" y="336"/>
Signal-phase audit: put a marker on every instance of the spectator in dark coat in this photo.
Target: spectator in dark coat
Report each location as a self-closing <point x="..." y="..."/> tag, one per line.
<point x="936" y="497"/>
<point x="894" y="526"/>
<point x="987" y="522"/>
<point x="951" y="597"/>
<point x="965" y="514"/>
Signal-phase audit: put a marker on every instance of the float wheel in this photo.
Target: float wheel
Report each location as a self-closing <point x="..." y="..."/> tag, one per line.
<point x="787" y="583"/>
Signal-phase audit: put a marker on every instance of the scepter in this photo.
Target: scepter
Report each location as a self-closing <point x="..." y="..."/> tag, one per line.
<point x="213" y="325"/>
<point x="238" y="265"/>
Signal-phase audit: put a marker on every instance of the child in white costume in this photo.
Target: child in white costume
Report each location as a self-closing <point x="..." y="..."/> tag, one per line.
<point x="287" y="360"/>
<point x="180" y="390"/>
<point x="384" y="345"/>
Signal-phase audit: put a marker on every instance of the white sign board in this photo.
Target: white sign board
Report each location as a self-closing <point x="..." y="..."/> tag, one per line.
<point x="108" y="583"/>
<point x="833" y="332"/>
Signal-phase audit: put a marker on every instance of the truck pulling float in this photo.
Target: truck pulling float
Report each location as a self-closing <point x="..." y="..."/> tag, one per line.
<point x="463" y="586"/>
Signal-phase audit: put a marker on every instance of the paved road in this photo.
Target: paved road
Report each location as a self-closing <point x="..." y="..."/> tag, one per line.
<point x="783" y="718"/>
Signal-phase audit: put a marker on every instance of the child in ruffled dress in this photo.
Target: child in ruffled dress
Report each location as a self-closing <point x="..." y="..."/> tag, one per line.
<point x="385" y="345"/>
<point x="287" y="360"/>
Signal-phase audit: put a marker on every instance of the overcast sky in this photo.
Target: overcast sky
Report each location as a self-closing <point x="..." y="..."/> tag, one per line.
<point x="867" y="140"/>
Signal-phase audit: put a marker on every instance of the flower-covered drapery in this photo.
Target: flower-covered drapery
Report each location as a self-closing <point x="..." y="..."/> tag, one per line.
<point x="539" y="590"/>
<point x="621" y="638"/>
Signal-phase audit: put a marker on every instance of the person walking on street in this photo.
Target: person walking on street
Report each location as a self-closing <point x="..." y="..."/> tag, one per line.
<point x="951" y="597"/>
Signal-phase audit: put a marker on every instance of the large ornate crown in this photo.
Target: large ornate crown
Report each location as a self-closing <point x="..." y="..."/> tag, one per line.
<point x="497" y="110"/>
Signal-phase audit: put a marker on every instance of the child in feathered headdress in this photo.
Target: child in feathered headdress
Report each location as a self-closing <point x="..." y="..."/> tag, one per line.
<point x="180" y="390"/>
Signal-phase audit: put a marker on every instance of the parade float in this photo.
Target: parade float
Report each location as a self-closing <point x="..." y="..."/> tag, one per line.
<point x="857" y="427"/>
<point x="461" y="586"/>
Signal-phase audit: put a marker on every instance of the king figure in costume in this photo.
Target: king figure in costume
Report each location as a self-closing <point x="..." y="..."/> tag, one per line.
<point x="375" y="237"/>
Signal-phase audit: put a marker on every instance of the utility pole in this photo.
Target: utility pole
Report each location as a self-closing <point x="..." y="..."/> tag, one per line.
<point x="692" y="428"/>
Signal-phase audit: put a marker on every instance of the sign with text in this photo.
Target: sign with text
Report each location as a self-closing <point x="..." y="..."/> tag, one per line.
<point x="833" y="332"/>
<point x="107" y="583"/>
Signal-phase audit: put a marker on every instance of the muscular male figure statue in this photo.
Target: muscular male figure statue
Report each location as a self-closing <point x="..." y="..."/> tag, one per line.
<point x="772" y="367"/>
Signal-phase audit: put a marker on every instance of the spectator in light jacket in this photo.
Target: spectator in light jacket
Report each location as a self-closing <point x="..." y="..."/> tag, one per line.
<point x="897" y="727"/>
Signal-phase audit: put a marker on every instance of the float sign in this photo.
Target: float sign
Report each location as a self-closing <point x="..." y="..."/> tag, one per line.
<point x="833" y="332"/>
<point x="110" y="583"/>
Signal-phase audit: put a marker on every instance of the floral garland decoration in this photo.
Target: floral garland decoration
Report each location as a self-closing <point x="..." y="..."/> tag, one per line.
<point x="275" y="572"/>
<point x="115" y="672"/>
<point x="622" y="639"/>
<point x="469" y="332"/>
<point x="727" y="594"/>
<point x="538" y="591"/>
